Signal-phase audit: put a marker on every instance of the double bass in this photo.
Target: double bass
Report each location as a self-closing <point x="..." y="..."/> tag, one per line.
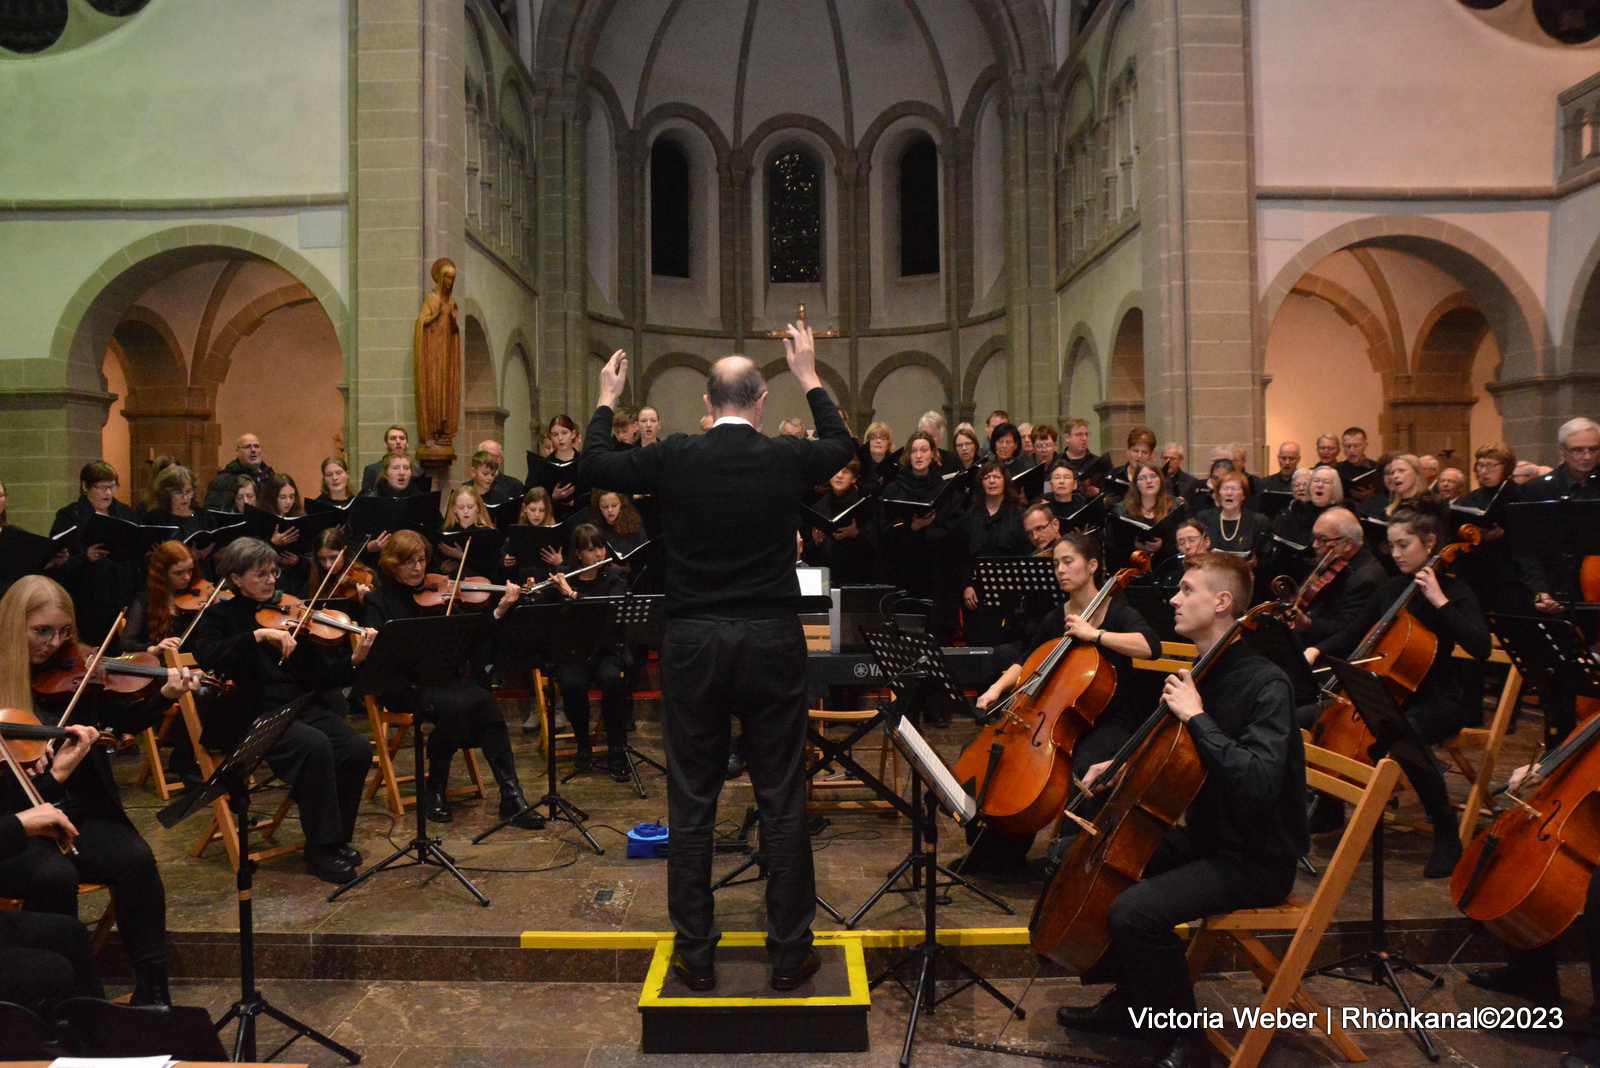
<point x="1158" y="773"/>
<point x="1526" y="876"/>
<point x="1019" y="765"/>
<point x="1398" y="650"/>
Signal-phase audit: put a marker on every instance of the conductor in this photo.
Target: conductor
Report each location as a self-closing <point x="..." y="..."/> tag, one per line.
<point x="728" y="500"/>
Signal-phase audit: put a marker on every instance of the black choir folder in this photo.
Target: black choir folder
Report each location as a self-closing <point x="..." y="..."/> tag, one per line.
<point x="524" y="540"/>
<point x="371" y="516"/>
<point x="901" y="510"/>
<point x="22" y="552"/>
<point x="830" y="524"/>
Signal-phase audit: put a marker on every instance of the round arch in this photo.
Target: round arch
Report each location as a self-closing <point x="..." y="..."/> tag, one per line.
<point x="909" y="358"/>
<point x="833" y="379"/>
<point x="1580" y="334"/>
<point x="664" y="363"/>
<point x="995" y="346"/>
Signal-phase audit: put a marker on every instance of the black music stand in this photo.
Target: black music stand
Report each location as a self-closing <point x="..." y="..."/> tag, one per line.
<point x="915" y="671"/>
<point x="1384" y="965"/>
<point x="232" y="777"/>
<point x="940" y="791"/>
<point x="526" y="645"/>
<point x="1551" y="652"/>
<point x="427" y="651"/>
<point x="640" y="619"/>
<point x="1002" y="581"/>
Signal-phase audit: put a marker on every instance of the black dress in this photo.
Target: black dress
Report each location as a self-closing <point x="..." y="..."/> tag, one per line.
<point x="1246" y="532"/>
<point x="100" y="588"/>
<point x="988" y="534"/>
<point x="926" y="563"/>
<point x="850" y="561"/>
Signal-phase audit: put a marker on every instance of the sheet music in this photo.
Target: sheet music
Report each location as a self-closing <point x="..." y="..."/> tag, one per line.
<point x="952" y="797"/>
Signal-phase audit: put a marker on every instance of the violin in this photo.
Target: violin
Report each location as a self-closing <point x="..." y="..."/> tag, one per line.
<point x="198" y="596"/>
<point x="1526" y="875"/>
<point x="355" y="577"/>
<point x="325" y="626"/>
<point x="1298" y="599"/>
<point x="435" y="592"/>
<point x="1158" y="773"/>
<point x="23" y="741"/>
<point x="131" y="677"/>
<point x="1020" y="763"/>
<point x="1401" y="651"/>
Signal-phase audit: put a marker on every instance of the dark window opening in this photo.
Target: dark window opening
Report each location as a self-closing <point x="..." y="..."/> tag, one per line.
<point x="794" y="218"/>
<point x="919" y="208"/>
<point x="32" y="27"/>
<point x="669" y="211"/>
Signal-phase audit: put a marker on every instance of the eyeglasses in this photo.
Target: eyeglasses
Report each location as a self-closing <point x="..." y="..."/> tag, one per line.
<point x="1581" y="450"/>
<point x="1322" y="539"/>
<point x="45" y="634"/>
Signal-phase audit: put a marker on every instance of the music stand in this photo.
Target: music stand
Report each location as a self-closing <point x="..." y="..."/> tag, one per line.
<point x="1549" y="651"/>
<point x="933" y="788"/>
<point x="916" y="673"/>
<point x="525" y="645"/>
<point x="232" y="777"/>
<point x="426" y="651"/>
<point x="641" y="619"/>
<point x="1002" y="581"/>
<point x="1394" y="735"/>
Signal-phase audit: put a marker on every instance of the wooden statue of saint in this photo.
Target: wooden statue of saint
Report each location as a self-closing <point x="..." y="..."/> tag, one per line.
<point x="437" y="369"/>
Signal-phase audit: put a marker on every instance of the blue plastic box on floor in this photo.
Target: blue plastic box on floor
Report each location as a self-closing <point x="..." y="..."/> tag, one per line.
<point x="647" y="841"/>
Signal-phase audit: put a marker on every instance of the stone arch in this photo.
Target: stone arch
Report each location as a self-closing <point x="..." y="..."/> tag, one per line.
<point x="1580" y="334"/>
<point x="666" y="362"/>
<point x="830" y="377"/>
<point x="1381" y="352"/>
<point x="936" y="126"/>
<point x="521" y="428"/>
<point x="995" y="346"/>
<point x="1430" y="408"/>
<point x="910" y="358"/>
<point x="1123" y="407"/>
<point x="211" y="367"/>
<point x="480" y="387"/>
<point x="150" y="365"/>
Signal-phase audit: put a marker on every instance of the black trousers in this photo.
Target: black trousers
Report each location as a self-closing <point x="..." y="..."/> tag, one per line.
<point x="109" y="851"/>
<point x="325" y="763"/>
<point x="606" y="671"/>
<point x="713" y="671"/>
<point x="1433" y="719"/>
<point x="1182" y="884"/>
<point x="464" y="717"/>
<point x="44" y="958"/>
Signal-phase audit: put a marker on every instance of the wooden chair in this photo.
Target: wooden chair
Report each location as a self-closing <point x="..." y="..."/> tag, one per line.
<point x="888" y="764"/>
<point x="391" y="732"/>
<point x="566" y="741"/>
<point x="1369" y="789"/>
<point x="222" y="826"/>
<point x="1175" y="656"/>
<point x="1485" y="741"/>
<point x="100" y="929"/>
<point x="150" y="740"/>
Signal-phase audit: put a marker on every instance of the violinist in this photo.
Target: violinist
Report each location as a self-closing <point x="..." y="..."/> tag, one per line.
<point x="100" y="586"/>
<point x="153" y="615"/>
<point x="464" y="713"/>
<point x="324" y="762"/>
<point x="328" y="555"/>
<point x="606" y="669"/>
<point x="1118" y="631"/>
<point x="464" y="510"/>
<point x="1336" y="620"/>
<point x="45" y="957"/>
<point x="38" y="636"/>
<point x="537" y="510"/>
<point x="1242" y="836"/>
<point x="992" y="527"/>
<point x="283" y="499"/>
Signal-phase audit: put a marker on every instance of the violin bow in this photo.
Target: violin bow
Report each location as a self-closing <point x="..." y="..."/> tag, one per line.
<point x="31" y="792"/>
<point x="461" y="568"/>
<point x="216" y="591"/>
<point x="298" y="624"/>
<point x="94" y="661"/>
<point x="354" y="559"/>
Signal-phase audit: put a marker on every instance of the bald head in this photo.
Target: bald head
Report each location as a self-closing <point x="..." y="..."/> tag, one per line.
<point x="735" y="387"/>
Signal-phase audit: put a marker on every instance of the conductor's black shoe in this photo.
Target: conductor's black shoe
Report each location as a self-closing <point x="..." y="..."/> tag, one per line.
<point x="351" y="855"/>
<point x="1446" y="853"/>
<point x="326" y="864"/>
<point x="1186" y="1051"/>
<point x="1108" y="1016"/>
<point x="695" y="979"/>
<point x="789" y="978"/>
<point x="1518" y="982"/>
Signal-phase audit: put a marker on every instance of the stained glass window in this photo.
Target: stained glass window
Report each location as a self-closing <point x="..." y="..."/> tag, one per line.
<point x="794" y="218"/>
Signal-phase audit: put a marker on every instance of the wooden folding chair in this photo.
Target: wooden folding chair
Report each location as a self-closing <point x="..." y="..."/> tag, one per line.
<point x="888" y="764"/>
<point x="150" y="740"/>
<point x="1369" y="789"/>
<point x="1485" y="741"/>
<point x="1175" y="656"/>
<point x="567" y="740"/>
<point x="222" y="825"/>
<point x="391" y="732"/>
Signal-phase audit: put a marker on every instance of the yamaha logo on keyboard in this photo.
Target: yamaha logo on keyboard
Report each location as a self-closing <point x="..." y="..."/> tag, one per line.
<point x="867" y="670"/>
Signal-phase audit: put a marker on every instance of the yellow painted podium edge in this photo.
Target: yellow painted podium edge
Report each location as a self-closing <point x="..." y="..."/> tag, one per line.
<point x="868" y="939"/>
<point x="855" y="965"/>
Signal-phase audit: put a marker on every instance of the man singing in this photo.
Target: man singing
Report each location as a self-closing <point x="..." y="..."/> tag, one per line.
<point x="733" y="644"/>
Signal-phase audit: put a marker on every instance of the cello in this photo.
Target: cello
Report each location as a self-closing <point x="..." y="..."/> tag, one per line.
<point x="1526" y="876"/>
<point x="1019" y="766"/>
<point x="1398" y="650"/>
<point x="1158" y="773"/>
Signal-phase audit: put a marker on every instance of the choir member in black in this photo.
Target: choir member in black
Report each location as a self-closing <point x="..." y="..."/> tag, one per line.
<point x="283" y="499"/>
<point x="1294" y="522"/>
<point x="324" y="762"/>
<point x="1141" y="448"/>
<point x="563" y="448"/>
<point x="464" y="713"/>
<point x="170" y="501"/>
<point x="1230" y="526"/>
<point x="504" y="488"/>
<point x="1493" y="572"/>
<point x="539" y="511"/>
<point x="619" y="521"/>
<point x="395" y="479"/>
<point x="45" y="957"/>
<point x="917" y="554"/>
<point x="1241" y="837"/>
<point x="336" y="487"/>
<point x="464" y="510"/>
<point x="1180" y="483"/>
<point x="968" y="450"/>
<point x="1555" y="584"/>
<point x="244" y="494"/>
<point x="1041" y="527"/>
<point x="991" y="527"/>
<point x="1326" y="488"/>
<point x="1327" y="451"/>
<point x="847" y="553"/>
<point x="37" y="632"/>
<point x="1118" y="631"/>
<point x="1355" y="464"/>
<point x="1061" y="484"/>
<point x="1146" y="503"/>
<point x="246" y="463"/>
<point x="100" y="587"/>
<point x="879" y="460"/>
<point x="606" y="669"/>
<point x="1402" y="477"/>
<point x="1005" y="446"/>
<point x="1282" y="480"/>
<point x="649" y="423"/>
<point x="1451" y="485"/>
<point x="396" y="442"/>
<point x="1337" y="619"/>
<point x="485" y="471"/>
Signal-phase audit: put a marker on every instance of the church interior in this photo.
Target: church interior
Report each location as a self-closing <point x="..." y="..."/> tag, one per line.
<point x="1235" y="222"/>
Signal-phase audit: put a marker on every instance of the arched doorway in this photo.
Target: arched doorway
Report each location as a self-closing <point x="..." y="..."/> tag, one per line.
<point x="484" y="418"/>
<point x="1123" y="408"/>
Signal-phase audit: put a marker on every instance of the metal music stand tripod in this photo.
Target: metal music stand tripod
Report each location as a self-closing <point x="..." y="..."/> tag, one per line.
<point x="524" y="645"/>
<point x="1384" y="965"/>
<point x="428" y="651"/>
<point x="641" y="618"/>
<point x="232" y="777"/>
<point x="1550" y="652"/>
<point x="916" y="673"/>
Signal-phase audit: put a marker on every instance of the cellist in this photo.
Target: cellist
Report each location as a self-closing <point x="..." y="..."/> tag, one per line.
<point x="1119" y="632"/>
<point x="1242" y="835"/>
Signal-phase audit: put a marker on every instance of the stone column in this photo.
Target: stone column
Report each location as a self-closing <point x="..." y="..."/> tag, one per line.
<point x="45" y="432"/>
<point x="1033" y="368"/>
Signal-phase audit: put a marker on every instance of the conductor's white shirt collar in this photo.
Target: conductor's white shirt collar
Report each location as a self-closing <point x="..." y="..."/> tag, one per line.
<point x="739" y="419"/>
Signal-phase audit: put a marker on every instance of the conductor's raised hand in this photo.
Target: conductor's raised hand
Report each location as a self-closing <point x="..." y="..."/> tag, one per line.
<point x="613" y="377"/>
<point x="800" y="349"/>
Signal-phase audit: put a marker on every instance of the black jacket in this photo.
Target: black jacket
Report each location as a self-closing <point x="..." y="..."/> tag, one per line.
<point x="219" y="494"/>
<point x="1558" y="578"/>
<point x="729" y="501"/>
<point x="101" y="588"/>
<point x="1344" y="609"/>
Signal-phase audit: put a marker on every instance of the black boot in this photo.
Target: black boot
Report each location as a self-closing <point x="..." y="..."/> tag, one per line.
<point x="437" y="794"/>
<point x="1446" y="848"/>
<point x="150" y="984"/>
<point x="497" y="754"/>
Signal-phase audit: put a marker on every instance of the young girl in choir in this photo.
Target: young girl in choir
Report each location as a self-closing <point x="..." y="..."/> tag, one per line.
<point x="283" y="499"/>
<point x="606" y="669"/>
<point x="537" y="510"/>
<point x="564" y="442"/>
<point x="336" y="488"/>
<point x="464" y="510"/>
